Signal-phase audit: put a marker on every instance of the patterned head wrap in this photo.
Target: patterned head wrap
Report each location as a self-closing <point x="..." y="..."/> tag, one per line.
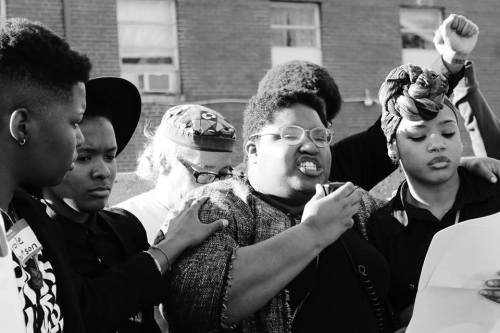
<point x="198" y="127"/>
<point x="412" y="93"/>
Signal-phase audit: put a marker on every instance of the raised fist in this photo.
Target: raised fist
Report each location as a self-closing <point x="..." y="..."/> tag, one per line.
<point x="455" y="38"/>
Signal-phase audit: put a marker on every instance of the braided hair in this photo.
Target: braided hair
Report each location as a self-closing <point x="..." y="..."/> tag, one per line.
<point x="412" y="93"/>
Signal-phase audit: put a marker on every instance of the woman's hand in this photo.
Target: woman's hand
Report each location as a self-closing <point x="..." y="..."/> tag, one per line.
<point x="486" y="167"/>
<point x="182" y="229"/>
<point x="493" y="291"/>
<point x="455" y="39"/>
<point x="331" y="215"/>
<point x="186" y="226"/>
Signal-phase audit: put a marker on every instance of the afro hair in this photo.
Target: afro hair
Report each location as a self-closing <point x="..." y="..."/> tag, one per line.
<point x="262" y="108"/>
<point x="303" y="75"/>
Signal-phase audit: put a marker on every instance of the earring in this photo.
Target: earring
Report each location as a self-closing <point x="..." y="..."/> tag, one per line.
<point x="22" y="141"/>
<point x="392" y="151"/>
<point x="394" y="156"/>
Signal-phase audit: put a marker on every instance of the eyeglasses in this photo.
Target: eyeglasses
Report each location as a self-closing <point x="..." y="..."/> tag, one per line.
<point x="206" y="177"/>
<point x="293" y="135"/>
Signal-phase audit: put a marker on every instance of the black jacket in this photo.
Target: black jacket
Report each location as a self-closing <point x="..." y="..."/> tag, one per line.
<point x="362" y="158"/>
<point x="51" y="239"/>
<point x="96" y="304"/>
<point x="130" y="285"/>
<point x="403" y="232"/>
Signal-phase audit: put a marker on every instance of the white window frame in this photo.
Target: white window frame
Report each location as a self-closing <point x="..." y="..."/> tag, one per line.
<point x="280" y="54"/>
<point x="422" y="57"/>
<point x="133" y="71"/>
<point x="3" y="11"/>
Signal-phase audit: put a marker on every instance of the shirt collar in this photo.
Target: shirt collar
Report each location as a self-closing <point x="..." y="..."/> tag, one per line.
<point x="294" y="211"/>
<point x="471" y="190"/>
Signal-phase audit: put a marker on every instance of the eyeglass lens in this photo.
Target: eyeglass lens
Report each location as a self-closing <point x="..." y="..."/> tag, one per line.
<point x="294" y="134"/>
<point x="205" y="178"/>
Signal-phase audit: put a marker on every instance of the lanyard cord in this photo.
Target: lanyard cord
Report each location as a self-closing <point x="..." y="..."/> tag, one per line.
<point x="9" y="218"/>
<point x="457" y="217"/>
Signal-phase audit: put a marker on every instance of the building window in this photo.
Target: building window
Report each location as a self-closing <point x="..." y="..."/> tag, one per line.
<point x="3" y="11"/>
<point x="147" y="35"/>
<point x="417" y="31"/>
<point x="295" y="32"/>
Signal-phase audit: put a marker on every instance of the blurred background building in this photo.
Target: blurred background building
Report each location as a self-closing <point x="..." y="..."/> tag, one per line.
<point x="214" y="52"/>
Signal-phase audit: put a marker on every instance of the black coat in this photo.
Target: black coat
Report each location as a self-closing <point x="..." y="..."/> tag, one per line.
<point x="403" y="232"/>
<point x="98" y="304"/>
<point x="50" y="237"/>
<point x="362" y="158"/>
<point x="133" y="283"/>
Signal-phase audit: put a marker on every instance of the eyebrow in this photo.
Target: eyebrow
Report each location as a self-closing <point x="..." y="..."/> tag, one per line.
<point x="446" y="121"/>
<point x="204" y="166"/>
<point x="93" y="150"/>
<point x="424" y="125"/>
<point x="208" y="166"/>
<point x="198" y="167"/>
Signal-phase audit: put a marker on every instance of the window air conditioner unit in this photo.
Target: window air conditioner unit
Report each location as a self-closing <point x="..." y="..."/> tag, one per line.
<point x="159" y="82"/>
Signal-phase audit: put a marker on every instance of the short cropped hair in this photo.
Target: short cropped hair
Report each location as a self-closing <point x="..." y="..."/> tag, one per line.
<point x="304" y="75"/>
<point x="31" y="55"/>
<point x="262" y="108"/>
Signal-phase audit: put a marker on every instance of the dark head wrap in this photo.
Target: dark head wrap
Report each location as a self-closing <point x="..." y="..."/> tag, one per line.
<point x="412" y="93"/>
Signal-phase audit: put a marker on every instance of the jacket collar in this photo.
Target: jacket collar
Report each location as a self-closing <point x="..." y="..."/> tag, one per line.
<point x="472" y="189"/>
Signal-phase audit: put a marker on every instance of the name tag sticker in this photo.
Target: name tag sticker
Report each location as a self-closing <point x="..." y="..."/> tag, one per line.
<point x="22" y="241"/>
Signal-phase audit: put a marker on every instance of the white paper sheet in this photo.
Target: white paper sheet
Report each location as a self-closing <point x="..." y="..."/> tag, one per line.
<point x="460" y="259"/>
<point x="11" y="318"/>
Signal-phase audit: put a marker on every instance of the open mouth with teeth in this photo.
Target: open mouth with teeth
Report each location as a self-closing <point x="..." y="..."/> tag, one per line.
<point x="309" y="168"/>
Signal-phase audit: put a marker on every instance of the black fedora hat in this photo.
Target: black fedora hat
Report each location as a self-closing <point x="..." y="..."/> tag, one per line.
<point x="118" y="100"/>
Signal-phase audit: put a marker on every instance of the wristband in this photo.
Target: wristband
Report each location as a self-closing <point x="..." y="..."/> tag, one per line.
<point x="158" y="265"/>
<point x="454" y="58"/>
<point x="458" y="61"/>
<point x="169" y="266"/>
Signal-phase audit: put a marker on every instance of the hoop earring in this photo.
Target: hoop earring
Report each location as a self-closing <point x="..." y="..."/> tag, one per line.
<point x="22" y="141"/>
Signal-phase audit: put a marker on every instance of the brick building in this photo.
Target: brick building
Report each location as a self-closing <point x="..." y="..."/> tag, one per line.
<point x="214" y="52"/>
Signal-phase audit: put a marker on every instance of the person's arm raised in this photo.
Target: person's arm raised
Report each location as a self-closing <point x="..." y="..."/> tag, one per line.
<point x="454" y="40"/>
